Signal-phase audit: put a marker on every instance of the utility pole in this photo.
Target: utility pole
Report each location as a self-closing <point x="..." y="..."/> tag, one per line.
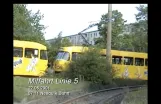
<point x="109" y="29"/>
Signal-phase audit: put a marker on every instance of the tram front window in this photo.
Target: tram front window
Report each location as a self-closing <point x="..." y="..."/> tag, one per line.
<point x="63" y="55"/>
<point x="18" y="52"/>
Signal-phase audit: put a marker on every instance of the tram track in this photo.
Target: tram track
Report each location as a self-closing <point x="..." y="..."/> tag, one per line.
<point x="105" y="96"/>
<point x="110" y="96"/>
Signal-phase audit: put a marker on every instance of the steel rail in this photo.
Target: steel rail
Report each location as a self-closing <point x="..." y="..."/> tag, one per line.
<point x="71" y="101"/>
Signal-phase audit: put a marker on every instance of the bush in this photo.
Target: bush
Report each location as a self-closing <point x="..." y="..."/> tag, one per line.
<point x="129" y="82"/>
<point x="92" y="66"/>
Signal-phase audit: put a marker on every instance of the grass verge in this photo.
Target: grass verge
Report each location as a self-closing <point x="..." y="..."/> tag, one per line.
<point x="136" y="97"/>
<point x="21" y="87"/>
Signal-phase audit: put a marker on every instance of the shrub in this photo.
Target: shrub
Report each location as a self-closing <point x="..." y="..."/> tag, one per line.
<point x="92" y="66"/>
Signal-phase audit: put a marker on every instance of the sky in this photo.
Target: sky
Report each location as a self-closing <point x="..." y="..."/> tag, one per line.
<point x="73" y="18"/>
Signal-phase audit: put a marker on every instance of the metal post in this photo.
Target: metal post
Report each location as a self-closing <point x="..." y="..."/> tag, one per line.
<point x="109" y="28"/>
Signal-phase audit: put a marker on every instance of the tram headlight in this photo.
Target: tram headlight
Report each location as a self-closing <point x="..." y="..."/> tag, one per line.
<point x="59" y="67"/>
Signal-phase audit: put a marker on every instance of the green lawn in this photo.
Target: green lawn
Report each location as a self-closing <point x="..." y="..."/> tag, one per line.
<point x="21" y="88"/>
<point x="136" y="97"/>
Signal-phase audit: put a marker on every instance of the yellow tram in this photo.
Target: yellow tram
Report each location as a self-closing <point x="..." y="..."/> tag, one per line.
<point x="29" y="58"/>
<point x="132" y="65"/>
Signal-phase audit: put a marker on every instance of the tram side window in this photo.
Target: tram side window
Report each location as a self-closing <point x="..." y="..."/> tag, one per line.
<point x="29" y="52"/>
<point x="146" y="62"/>
<point x="78" y="55"/>
<point x="43" y="55"/>
<point x="116" y="59"/>
<point x="17" y="52"/>
<point x="139" y="61"/>
<point x="128" y="60"/>
<point x="75" y="56"/>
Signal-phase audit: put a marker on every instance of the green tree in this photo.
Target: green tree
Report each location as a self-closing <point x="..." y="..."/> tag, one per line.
<point x="56" y="44"/>
<point x="135" y="41"/>
<point x="139" y="38"/>
<point x="117" y="28"/>
<point x="54" y="47"/>
<point x="126" y="42"/>
<point x="27" y="24"/>
<point x="142" y="27"/>
<point x="92" y="66"/>
<point x="57" y="41"/>
<point x="143" y="13"/>
<point x="65" y="42"/>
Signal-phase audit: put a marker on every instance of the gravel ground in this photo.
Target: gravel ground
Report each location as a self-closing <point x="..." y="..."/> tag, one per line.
<point x="92" y="99"/>
<point x="55" y="99"/>
<point x="136" y="97"/>
<point x="97" y="98"/>
<point x="61" y="98"/>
